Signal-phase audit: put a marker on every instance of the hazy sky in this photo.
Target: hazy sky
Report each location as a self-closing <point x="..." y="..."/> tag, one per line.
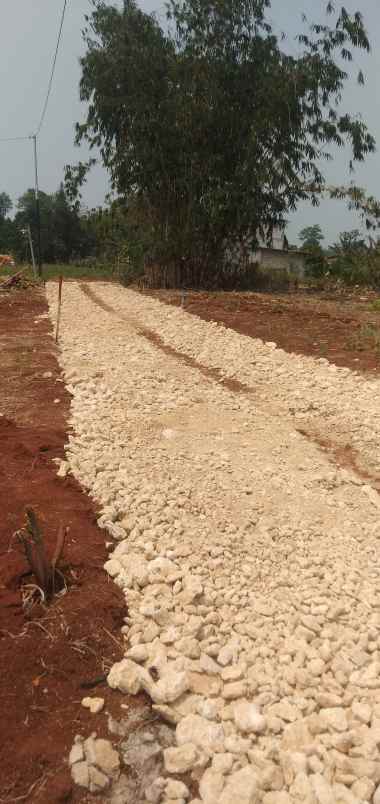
<point x="29" y="30"/>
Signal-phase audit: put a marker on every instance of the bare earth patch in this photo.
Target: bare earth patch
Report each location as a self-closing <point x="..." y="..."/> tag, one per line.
<point x="46" y="652"/>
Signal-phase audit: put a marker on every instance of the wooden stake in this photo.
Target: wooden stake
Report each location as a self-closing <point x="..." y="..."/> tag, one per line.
<point x="60" y="281"/>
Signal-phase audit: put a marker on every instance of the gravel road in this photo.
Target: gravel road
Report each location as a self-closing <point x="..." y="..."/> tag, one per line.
<point x="248" y="557"/>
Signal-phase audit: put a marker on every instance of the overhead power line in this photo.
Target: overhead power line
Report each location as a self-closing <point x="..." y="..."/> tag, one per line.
<point x="13" y="139"/>
<point x="44" y="110"/>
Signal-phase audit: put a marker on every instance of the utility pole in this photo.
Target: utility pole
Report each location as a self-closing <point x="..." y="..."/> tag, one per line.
<point x="38" y="212"/>
<point x="28" y="234"/>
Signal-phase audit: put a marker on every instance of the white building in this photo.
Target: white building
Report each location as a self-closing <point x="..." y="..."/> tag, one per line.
<point x="277" y="256"/>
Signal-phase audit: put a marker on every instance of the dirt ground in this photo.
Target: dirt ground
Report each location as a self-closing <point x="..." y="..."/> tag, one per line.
<point x="46" y="651"/>
<point x="344" y="327"/>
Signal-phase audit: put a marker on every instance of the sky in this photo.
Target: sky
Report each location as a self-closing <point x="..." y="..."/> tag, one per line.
<point x="29" y="32"/>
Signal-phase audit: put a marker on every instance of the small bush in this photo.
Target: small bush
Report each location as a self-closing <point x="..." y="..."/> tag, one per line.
<point x="360" y="267"/>
<point x="316" y="263"/>
<point x="131" y="263"/>
<point x="367" y="337"/>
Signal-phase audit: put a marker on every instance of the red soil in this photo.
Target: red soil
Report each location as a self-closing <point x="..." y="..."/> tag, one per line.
<point x="46" y="651"/>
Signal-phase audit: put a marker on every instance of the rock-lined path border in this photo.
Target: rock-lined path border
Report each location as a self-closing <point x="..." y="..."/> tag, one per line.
<point x="249" y="564"/>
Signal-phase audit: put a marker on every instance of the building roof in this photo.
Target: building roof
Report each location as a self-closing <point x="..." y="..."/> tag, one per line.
<point x="282" y="250"/>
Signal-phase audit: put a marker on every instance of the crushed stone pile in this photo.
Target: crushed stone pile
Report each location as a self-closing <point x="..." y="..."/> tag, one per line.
<point x="249" y="562"/>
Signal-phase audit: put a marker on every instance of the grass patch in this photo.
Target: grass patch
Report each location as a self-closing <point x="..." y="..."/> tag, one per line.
<point x="78" y="272"/>
<point x="72" y="271"/>
<point x="366" y="338"/>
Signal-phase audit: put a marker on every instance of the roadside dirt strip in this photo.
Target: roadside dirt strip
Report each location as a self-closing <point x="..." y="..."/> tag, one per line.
<point x="46" y="651"/>
<point x="247" y="553"/>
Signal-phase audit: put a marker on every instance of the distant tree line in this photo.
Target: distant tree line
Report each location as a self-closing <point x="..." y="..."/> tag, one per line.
<point x="69" y="233"/>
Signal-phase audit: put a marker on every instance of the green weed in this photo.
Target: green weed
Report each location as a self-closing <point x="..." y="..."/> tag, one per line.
<point x="367" y="338"/>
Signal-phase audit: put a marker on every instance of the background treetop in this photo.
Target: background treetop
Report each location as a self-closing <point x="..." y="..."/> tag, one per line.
<point x="209" y="125"/>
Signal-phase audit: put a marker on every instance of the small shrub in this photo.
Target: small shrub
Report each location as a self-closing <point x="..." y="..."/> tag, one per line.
<point x="44" y="569"/>
<point x="130" y="262"/>
<point x="367" y="337"/>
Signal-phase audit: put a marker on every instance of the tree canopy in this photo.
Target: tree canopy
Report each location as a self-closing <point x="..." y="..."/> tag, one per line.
<point x="311" y="236"/>
<point x="66" y="233"/>
<point x="208" y="124"/>
<point x="349" y="242"/>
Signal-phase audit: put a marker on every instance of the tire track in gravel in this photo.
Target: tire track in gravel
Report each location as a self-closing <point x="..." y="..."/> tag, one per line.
<point x="213" y="374"/>
<point x="343" y="457"/>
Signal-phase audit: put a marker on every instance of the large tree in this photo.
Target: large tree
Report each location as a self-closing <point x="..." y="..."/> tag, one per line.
<point x="208" y="125"/>
<point x="311" y="236"/>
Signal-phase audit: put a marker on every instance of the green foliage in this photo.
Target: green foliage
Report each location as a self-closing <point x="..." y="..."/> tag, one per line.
<point x="367" y="337"/>
<point x="349" y="242"/>
<point x="7" y="230"/>
<point x="94" y="240"/>
<point x="208" y="125"/>
<point x="5" y="205"/>
<point x="367" y="206"/>
<point x="63" y="236"/>
<point x="83" y="269"/>
<point x="358" y="268"/>
<point x="353" y="262"/>
<point x="311" y="237"/>
<point x="316" y="263"/>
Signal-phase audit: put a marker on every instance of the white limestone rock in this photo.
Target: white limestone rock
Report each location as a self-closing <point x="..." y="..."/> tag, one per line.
<point x="204" y="734"/>
<point x="170" y="686"/>
<point x="77" y="751"/>
<point x="139" y="654"/>
<point x="102" y="754"/>
<point x="278" y="798"/>
<point x="181" y="759"/>
<point x="361" y="711"/>
<point x="222" y="763"/>
<point x="175" y="789"/>
<point x="98" y="780"/>
<point x="226" y="655"/>
<point x="324" y="792"/>
<point x="95" y="705"/>
<point x="285" y="711"/>
<point x="234" y="690"/>
<point x="113" y="567"/>
<point x="242" y="787"/>
<point x="335" y="719"/>
<point x="80" y="774"/>
<point x="248" y="718"/>
<point x="125" y="676"/>
<point x="64" y="468"/>
<point x="211" y="786"/>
